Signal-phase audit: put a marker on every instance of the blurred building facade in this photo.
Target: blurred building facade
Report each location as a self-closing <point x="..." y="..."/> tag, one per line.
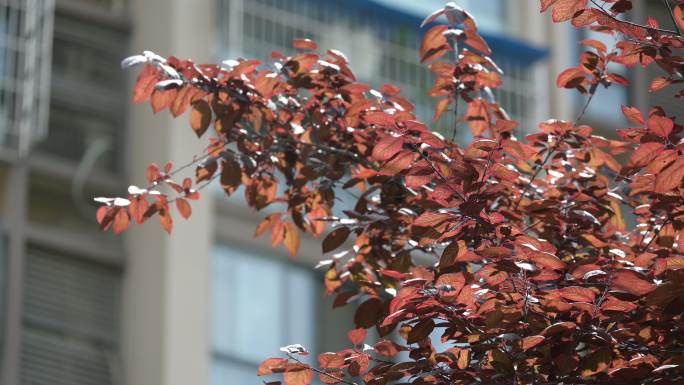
<point x="81" y="307"/>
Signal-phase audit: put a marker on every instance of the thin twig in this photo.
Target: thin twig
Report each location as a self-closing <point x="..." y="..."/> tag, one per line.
<point x="656" y="232"/>
<point x="634" y="24"/>
<point x="672" y="16"/>
<point x="322" y="372"/>
<point x="592" y="92"/>
<point x="437" y="172"/>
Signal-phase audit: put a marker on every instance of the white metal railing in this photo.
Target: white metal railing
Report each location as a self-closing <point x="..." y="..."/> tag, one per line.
<point x="379" y="52"/>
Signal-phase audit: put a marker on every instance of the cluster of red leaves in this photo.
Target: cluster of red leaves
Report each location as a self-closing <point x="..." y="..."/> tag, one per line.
<point x="504" y="261"/>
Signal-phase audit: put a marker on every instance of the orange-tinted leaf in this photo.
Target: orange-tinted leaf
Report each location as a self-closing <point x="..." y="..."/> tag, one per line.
<point x="434" y="44"/>
<point x="678" y="12"/>
<point x="398" y="164"/>
<point x="387" y="147"/>
<point x="545" y="4"/>
<point x="577" y="294"/>
<point x="645" y="153"/>
<point x="570" y="78"/>
<point x="564" y="10"/>
<point x="660" y="125"/>
<point x="357" y="336"/>
<point x="671" y="177"/>
<point x="162" y="99"/>
<point x="291" y="239"/>
<point x="440" y="108"/>
<point x="330" y="360"/>
<point x="659" y="83"/>
<point x="183" y="208"/>
<point x="633" y="115"/>
<point x="304" y="44"/>
<point x="271" y="365"/>
<point x="388" y="348"/>
<point x="144" y="86"/>
<point x="166" y="220"/>
<point x="298" y="374"/>
<point x="631" y="282"/>
<point x="121" y="221"/>
<point x="531" y="341"/>
<point x="200" y="117"/>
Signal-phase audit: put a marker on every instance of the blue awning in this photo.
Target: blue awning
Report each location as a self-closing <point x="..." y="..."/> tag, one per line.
<point x="505" y="47"/>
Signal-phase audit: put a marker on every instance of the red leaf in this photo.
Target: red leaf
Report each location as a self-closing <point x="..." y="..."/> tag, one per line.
<point x="298" y="374"/>
<point x="183" y="208"/>
<point x="388" y="348"/>
<point x="162" y="99"/>
<point x="398" y="164"/>
<point x="564" y="10"/>
<point x="645" y="154"/>
<point x="200" y="117"/>
<point x="121" y="221"/>
<point x="659" y="83"/>
<point x="545" y="4"/>
<point x="660" y="125"/>
<point x="430" y="219"/>
<point x="440" y="108"/>
<point x="531" y="341"/>
<point x="304" y="44"/>
<point x="153" y="173"/>
<point x="570" y="78"/>
<point x="631" y="282"/>
<point x="291" y="240"/>
<point x="335" y="239"/>
<point x="577" y="294"/>
<point x="144" y="86"/>
<point x="633" y="115"/>
<point x="387" y="147"/>
<point x="330" y="360"/>
<point x="671" y="177"/>
<point x="421" y="331"/>
<point x="166" y="220"/>
<point x="678" y="12"/>
<point x="357" y="336"/>
<point x="434" y="44"/>
<point x="271" y="365"/>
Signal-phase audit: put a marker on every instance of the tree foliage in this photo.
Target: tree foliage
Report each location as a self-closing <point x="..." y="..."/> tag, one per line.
<point x="508" y="260"/>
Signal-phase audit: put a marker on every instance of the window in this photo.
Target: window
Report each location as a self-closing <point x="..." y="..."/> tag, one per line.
<point x="258" y="305"/>
<point x="88" y="98"/>
<point x="70" y="320"/>
<point x="25" y="44"/>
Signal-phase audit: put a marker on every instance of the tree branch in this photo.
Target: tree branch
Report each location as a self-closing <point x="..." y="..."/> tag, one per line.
<point x="634" y="24"/>
<point x="672" y="16"/>
<point x="322" y="372"/>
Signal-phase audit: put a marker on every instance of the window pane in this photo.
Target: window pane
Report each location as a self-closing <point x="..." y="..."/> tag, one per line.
<point x="247" y="306"/>
<point x="301" y="308"/>
<point x="226" y="373"/>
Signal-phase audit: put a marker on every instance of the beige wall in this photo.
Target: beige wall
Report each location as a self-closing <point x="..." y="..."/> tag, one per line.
<point x="165" y="306"/>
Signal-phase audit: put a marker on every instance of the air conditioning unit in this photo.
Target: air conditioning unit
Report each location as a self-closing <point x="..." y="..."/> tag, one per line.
<point x="25" y="58"/>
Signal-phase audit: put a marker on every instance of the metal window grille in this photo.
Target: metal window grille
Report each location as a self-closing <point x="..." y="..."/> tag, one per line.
<point x="25" y="49"/>
<point x="379" y="52"/>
